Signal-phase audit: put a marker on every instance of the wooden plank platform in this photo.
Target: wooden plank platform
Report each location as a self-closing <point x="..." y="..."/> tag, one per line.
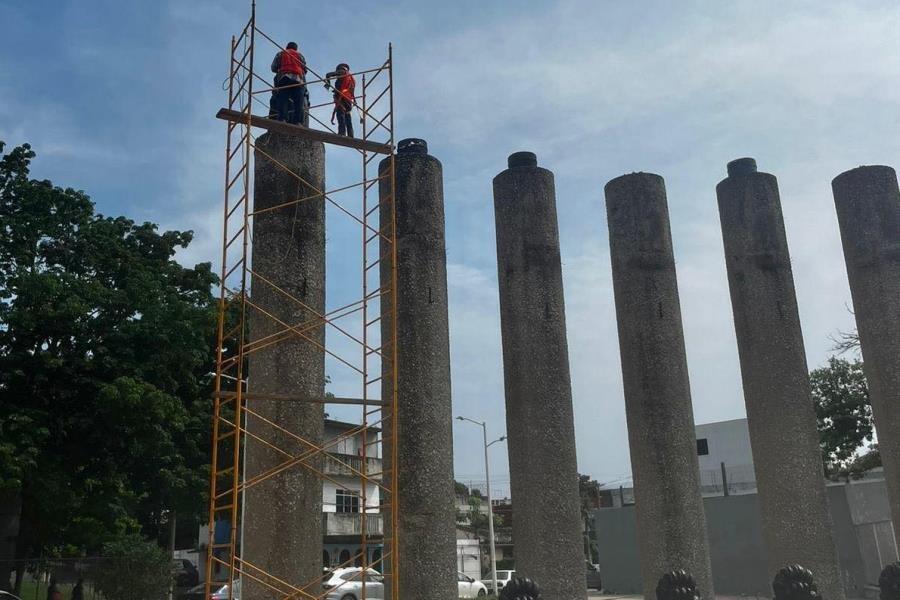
<point x="304" y="132"/>
<point x="314" y="400"/>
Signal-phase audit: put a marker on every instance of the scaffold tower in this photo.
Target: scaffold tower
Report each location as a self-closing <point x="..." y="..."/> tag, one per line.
<point x="356" y="324"/>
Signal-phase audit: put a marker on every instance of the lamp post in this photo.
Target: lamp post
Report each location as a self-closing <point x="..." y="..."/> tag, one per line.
<point x="487" y="476"/>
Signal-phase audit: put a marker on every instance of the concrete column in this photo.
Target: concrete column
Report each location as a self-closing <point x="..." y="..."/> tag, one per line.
<point x="669" y="510"/>
<point x="539" y="422"/>
<point x="786" y="455"/>
<point x="425" y="421"/>
<point x="283" y="515"/>
<point x="868" y="210"/>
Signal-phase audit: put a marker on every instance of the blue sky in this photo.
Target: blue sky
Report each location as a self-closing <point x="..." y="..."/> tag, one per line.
<point x="118" y="99"/>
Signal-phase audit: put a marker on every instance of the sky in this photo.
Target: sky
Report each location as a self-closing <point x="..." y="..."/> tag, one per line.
<point x="118" y="99"/>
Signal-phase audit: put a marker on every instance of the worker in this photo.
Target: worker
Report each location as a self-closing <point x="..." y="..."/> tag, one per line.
<point x="343" y="91"/>
<point x="289" y="67"/>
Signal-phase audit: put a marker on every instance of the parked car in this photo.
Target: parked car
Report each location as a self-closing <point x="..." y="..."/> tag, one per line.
<point x="347" y="583"/>
<point x="593" y="577"/>
<point x="186" y="574"/>
<point x="503" y="577"/>
<point x="218" y="592"/>
<point x="470" y="587"/>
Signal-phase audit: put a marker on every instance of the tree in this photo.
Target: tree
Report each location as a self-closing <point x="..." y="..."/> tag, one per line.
<point x="105" y="347"/>
<point x="133" y="569"/>
<point x="844" y="418"/>
<point x="589" y="492"/>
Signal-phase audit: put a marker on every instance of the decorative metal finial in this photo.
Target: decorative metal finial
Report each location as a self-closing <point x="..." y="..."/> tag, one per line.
<point x="521" y="588"/>
<point x="677" y="585"/>
<point x="889" y="582"/>
<point x="795" y="583"/>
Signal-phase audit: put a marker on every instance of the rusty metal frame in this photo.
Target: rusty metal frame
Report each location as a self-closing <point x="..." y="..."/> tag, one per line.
<point x="233" y="398"/>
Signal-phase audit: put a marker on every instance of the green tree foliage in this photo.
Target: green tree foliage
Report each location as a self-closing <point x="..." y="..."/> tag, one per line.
<point x="105" y="346"/>
<point x="134" y="569"/>
<point x="589" y="492"/>
<point x="844" y="416"/>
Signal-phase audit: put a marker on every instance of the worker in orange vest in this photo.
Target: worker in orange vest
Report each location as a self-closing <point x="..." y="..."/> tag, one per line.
<point x="289" y="67"/>
<point x="343" y="92"/>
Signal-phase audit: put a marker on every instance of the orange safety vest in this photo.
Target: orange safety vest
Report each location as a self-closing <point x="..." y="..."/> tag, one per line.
<point x="344" y="92"/>
<point x="291" y="63"/>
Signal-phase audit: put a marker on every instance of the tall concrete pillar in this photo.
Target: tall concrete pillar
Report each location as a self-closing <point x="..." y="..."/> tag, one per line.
<point x="786" y="455"/>
<point x="670" y="520"/>
<point x="539" y="422"/>
<point x="283" y="515"/>
<point x="868" y="210"/>
<point x="427" y="535"/>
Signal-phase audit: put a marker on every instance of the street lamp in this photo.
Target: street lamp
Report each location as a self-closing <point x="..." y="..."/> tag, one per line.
<point x="487" y="477"/>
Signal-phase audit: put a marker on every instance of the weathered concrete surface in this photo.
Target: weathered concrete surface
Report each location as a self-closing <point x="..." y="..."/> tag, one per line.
<point x="427" y="532"/>
<point x="283" y="515"/>
<point x="670" y="519"/>
<point x="539" y="419"/>
<point x="786" y="455"/>
<point x="868" y="210"/>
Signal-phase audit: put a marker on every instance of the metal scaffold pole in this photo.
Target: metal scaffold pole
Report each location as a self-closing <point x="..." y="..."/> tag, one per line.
<point x="278" y="317"/>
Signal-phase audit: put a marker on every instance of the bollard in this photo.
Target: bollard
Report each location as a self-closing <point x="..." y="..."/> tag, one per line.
<point x="795" y="583"/>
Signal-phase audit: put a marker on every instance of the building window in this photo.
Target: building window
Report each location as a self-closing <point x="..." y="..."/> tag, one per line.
<point x="346" y="501"/>
<point x="702" y="447"/>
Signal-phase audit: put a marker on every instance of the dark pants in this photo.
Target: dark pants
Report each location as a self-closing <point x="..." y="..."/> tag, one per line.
<point x="345" y="122"/>
<point x="286" y="96"/>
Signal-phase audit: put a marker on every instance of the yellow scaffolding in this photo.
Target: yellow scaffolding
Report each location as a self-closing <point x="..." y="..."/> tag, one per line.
<point x="233" y="400"/>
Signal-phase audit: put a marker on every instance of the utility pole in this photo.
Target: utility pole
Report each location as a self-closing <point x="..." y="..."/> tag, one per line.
<point x="487" y="475"/>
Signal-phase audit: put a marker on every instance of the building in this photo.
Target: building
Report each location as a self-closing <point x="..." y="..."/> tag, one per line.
<point x="468" y="553"/>
<point x="343" y="496"/>
<point x="473" y="541"/>
<point x="343" y="499"/>
<point x="725" y="460"/>
<point x="724" y="446"/>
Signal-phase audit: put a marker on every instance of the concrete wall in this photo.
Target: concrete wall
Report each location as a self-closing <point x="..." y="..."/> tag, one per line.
<point x="468" y="558"/>
<point x="862" y="534"/>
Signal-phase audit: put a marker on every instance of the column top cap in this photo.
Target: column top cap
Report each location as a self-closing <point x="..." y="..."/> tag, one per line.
<point x="412" y="146"/>
<point x="741" y="166"/>
<point x="522" y="159"/>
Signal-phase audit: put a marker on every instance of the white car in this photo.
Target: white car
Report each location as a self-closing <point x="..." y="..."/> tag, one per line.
<point x="216" y="592"/>
<point x="347" y="584"/>
<point x="470" y="588"/>
<point x="503" y="577"/>
<point x="222" y="592"/>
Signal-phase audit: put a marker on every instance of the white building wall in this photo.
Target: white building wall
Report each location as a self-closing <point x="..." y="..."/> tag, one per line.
<point x="352" y="445"/>
<point x="727" y="442"/>
<point x="329" y="492"/>
<point x="468" y="558"/>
